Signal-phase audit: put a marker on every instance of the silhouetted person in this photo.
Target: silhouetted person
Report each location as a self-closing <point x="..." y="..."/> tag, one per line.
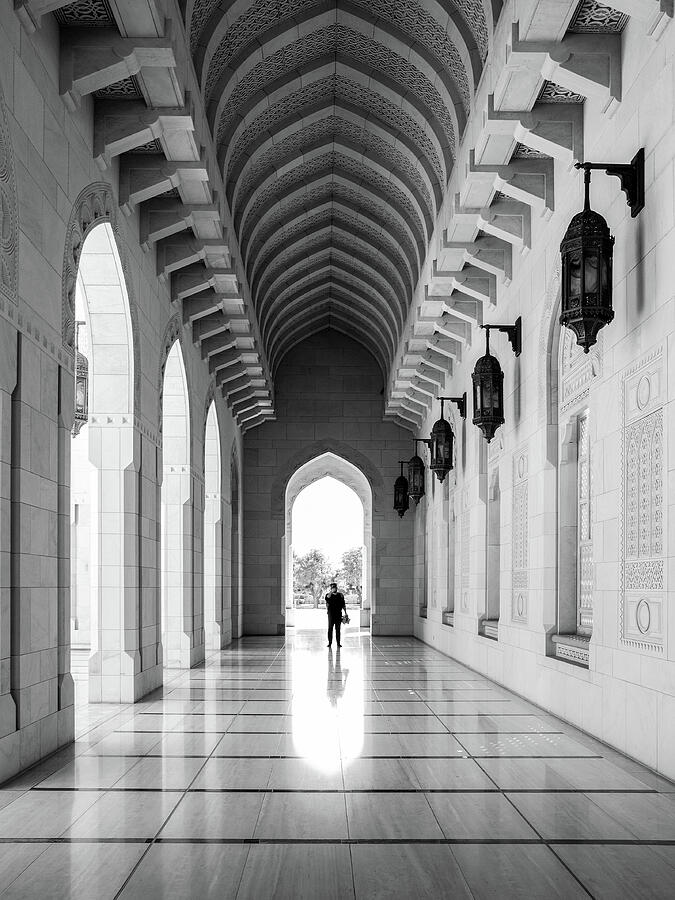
<point x="335" y="603"/>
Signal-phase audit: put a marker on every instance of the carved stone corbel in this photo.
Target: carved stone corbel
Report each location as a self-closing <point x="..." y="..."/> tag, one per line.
<point x="95" y="58"/>
<point x="144" y="176"/>
<point x="121" y="126"/>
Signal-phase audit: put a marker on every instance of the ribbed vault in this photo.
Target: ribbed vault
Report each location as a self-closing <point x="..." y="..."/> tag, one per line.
<point x="336" y="125"/>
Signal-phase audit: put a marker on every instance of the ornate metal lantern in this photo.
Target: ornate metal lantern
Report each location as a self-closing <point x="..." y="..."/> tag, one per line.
<point x="416" y="474"/>
<point x="442" y="440"/>
<point x="587" y="251"/>
<point x="81" y="386"/>
<point x="488" y="382"/>
<point x="401" y="502"/>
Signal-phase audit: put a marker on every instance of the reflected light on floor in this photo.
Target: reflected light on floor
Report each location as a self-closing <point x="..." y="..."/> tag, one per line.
<point x="327" y="707"/>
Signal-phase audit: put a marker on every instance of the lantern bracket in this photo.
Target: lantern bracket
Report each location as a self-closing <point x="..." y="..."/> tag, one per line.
<point x="513" y="332"/>
<point x="631" y="175"/>
<point x="460" y="403"/>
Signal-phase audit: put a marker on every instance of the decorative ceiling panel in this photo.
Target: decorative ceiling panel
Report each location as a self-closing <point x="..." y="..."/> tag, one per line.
<point x="334" y="181"/>
<point x="333" y="126"/>
<point x="89" y="13"/>
<point x="351" y="43"/>
<point x="553" y="93"/>
<point x="592" y="17"/>
<point x="369" y="102"/>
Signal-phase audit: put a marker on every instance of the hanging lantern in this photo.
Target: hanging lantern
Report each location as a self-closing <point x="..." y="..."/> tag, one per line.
<point x="587" y="250"/>
<point x="416" y="474"/>
<point x="488" y="393"/>
<point x="401" y="502"/>
<point x="488" y="381"/>
<point x="442" y="440"/>
<point x="81" y="387"/>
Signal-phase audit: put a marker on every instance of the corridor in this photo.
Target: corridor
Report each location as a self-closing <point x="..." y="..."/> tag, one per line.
<point x="281" y="769"/>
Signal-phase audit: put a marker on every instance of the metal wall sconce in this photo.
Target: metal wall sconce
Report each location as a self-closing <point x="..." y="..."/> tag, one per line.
<point x="587" y="250"/>
<point x="442" y="439"/>
<point x="416" y="472"/>
<point x="488" y="381"/>
<point x="81" y="385"/>
<point x="401" y="502"/>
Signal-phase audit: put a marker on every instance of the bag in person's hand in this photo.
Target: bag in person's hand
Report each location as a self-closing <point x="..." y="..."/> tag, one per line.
<point x="345" y="618"/>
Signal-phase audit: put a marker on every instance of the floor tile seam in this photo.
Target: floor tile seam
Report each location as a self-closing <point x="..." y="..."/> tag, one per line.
<point x="376" y="790"/>
<point x="150" y="841"/>
<point x="143" y="855"/>
<point x="541" y="711"/>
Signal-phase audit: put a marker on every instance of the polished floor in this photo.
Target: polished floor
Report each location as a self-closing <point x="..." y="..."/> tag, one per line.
<point x="282" y="769"/>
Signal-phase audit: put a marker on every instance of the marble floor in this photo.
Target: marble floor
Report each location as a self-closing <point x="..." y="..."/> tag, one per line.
<point x="282" y="769"/>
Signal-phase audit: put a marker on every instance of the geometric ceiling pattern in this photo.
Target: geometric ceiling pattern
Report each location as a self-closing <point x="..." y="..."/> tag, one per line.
<point x="336" y="124"/>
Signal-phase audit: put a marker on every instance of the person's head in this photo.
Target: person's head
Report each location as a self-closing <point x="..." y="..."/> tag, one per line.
<point x="333" y="587"/>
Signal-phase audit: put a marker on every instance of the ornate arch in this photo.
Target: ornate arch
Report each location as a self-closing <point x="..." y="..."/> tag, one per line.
<point x="95" y="204"/>
<point x="172" y="333"/>
<point x="318" y="448"/>
<point x="9" y="220"/>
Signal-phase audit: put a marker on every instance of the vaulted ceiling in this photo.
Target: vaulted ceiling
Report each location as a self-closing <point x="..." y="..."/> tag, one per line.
<point x="336" y="125"/>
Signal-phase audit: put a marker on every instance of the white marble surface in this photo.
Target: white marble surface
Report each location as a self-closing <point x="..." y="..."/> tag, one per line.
<point x="315" y="805"/>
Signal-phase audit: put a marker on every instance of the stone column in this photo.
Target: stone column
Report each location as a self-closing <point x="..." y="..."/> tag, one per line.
<point x="182" y="612"/>
<point x="115" y="667"/>
<point x="214" y="592"/>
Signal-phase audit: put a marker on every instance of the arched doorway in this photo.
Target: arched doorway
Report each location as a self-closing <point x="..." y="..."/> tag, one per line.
<point x="104" y="466"/>
<point x="216" y="617"/>
<point x="181" y="624"/>
<point x="329" y="465"/>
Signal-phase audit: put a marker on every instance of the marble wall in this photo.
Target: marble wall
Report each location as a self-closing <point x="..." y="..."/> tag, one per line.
<point x="585" y="459"/>
<point x="328" y="398"/>
<point x="53" y="194"/>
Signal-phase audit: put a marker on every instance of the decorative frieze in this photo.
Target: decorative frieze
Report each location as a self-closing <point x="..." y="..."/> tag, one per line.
<point x="553" y="93"/>
<point x="642" y="609"/>
<point x="577" y="370"/>
<point x="592" y="17"/>
<point x="9" y="229"/>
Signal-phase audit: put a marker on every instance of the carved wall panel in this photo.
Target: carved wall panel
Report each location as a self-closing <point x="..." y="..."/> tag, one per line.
<point x="9" y="227"/>
<point x="642" y="610"/>
<point x="520" y="551"/>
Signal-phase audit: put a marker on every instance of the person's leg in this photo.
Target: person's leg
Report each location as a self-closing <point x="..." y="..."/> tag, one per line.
<point x="338" y="625"/>
<point x="330" y="630"/>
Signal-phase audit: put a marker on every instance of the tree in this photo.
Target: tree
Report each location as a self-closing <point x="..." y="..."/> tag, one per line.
<point x="352" y="570"/>
<point x="312" y="572"/>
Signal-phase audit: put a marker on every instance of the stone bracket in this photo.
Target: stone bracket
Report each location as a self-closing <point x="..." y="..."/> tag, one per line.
<point x="181" y="250"/>
<point x="509" y="220"/>
<point x="197" y="277"/>
<point x="123" y="125"/>
<point x="470" y="280"/>
<point x="144" y="176"/>
<point x="556" y="129"/>
<point x="95" y="58"/>
<point x="529" y="181"/>
<point x="486" y="252"/>
<point x="586" y="64"/>
<point x="160" y="218"/>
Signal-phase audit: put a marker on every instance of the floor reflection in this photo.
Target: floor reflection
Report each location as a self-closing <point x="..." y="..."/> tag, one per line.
<point x="327" y="706"/>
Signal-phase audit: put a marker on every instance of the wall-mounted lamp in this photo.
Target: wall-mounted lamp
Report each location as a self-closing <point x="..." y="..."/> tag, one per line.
<point x="401" y="501"/>
<point x="416" y="472"/>
<point x="442" y="439"/>
<point x="587" y="251"/>
<point x="488" y="381"/>
<point x="81" y="385"/>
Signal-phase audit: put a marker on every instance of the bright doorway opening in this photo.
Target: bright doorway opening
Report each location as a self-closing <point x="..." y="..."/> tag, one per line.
<point x="328" y="538"/>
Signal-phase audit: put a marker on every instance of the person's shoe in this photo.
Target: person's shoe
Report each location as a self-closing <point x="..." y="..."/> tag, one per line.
<point x="339" y="645"/>
<point x="330" y="645"/>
